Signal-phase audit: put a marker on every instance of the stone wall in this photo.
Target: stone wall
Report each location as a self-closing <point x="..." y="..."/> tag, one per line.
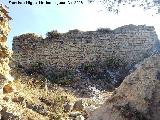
<point x="5" y="53"/>
<point x="128" y="42"/>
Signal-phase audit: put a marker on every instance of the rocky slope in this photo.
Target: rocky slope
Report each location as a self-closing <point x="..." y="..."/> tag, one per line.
<point x="32" y="99"/>
<point x="137" y="98"/>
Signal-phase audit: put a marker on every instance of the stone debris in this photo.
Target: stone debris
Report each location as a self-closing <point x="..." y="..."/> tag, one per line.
<point x="68" y="107"/>
<point x="80" y="117"/>
<point x="7" y="89"/>
<point x="47" y="102"/>
<point x="75" y="114"/>
<point x="6" y="98"/>
<point x="18" y="99"/>
<point x="79" y="105"/>
<point x="90" y="109"/>
<point x="38" y="108"/>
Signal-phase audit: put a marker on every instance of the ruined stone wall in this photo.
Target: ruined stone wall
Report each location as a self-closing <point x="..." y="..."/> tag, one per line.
<point x="129" y="42"/>
<point x="5" y="53"/>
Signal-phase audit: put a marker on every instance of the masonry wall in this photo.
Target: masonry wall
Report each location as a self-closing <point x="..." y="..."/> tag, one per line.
<point x="128" y="42"/>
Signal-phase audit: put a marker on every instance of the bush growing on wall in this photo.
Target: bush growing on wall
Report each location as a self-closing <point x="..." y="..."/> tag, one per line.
<point x="97" y="70"/>
<point x="37" y="67"/>
<point x="102" y="70"/>
<point x="114" y="63"/>
<point x="62" y="77"/>
<point x="104" y="30"/>
<point x="53" y="34"/>
<point x="28" y="36"/>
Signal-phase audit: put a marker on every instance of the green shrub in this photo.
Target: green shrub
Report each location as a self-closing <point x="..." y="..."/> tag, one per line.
<point x="90" y="68"/>
<point x="53" y="34"/>
<point x="37" y="67"/>
<point x="107" y="71"/>
<point x="63" y="77"/>
<point x="114" y="63"/>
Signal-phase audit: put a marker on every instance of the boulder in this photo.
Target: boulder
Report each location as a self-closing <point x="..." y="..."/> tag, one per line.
<point x="39" y="108"/>
<point x="89" y="109"/>
<point x="7" y="116"/>
<point x="68" y="107"/>
<point x="137" y="98"/>
<point x="79" y="105"/>
<point x="7" y="89"/>
<point x="74" y="114"/>
<point x="18" y="99"/>
<point x="80" y="117"/>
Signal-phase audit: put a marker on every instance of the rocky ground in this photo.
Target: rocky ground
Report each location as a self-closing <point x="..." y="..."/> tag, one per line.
<point x="28" y="98"/>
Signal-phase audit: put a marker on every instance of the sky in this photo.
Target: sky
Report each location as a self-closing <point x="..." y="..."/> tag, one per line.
<point x="42" y="18"/>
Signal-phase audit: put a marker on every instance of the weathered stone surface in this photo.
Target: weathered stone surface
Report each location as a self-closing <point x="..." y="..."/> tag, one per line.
<point x="37" y="107"/>
<point x="130" y="42"/>
<point x="5" y="53"/>
<point x="137" y="97"/>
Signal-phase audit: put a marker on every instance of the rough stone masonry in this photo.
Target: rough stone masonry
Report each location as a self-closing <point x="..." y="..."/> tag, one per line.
<point x="5" y="53"/>
<point x="130" y="42"/>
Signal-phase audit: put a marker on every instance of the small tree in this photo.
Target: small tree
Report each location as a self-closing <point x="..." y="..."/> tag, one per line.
<point x="53" y="34"/>
<point x="104" y="30"/>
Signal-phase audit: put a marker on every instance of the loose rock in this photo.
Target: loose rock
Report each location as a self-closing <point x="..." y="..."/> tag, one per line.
<point x="80" y="117"/>
<point x="79" y="105"/>
<point x="7" y="89"/>
<point x="74" y="114"/>
<point x="18" y="99"/>
<point x="6" y="98"/>
<point x="68" y="107"/>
